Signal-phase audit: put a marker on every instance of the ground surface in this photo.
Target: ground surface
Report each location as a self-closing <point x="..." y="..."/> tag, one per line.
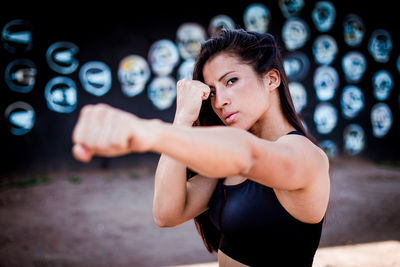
<point x="104" y="218"/>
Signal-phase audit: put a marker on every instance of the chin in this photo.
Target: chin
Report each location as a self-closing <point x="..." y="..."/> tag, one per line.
<point x="240" y="125"/>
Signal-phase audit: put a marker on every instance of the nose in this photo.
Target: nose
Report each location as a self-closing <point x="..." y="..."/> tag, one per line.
<point x="221" y="100"/>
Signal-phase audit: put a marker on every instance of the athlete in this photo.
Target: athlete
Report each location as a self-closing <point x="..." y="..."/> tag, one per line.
<point x="236" y="158"/>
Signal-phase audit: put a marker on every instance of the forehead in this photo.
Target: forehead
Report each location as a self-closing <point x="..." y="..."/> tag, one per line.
<point x="222" y="63"/>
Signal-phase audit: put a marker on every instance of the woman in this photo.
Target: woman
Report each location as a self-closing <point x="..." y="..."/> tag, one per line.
<point x="260" y="187"/>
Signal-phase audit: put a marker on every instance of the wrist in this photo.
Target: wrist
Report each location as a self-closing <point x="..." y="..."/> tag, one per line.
<point x="152" y="133"/>
<point x="183" y="121"/>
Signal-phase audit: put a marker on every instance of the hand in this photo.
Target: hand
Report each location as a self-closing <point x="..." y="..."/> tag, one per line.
<point x="106" y="131"/>
<point x="190" y="95"/>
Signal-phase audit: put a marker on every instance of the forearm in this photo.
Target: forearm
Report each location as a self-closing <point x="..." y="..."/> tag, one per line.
<point x="169" y="186"/>
<point x="169" y="189"/>
<point x="210" y="151"/>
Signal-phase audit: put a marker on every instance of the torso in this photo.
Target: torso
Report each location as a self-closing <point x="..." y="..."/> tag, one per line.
<point x="310" y="210"/>
<point x="307" y="206"/>
<point x="241" y="182"/>
<point x="233" y="180"/>
<point x="312" y="200"/>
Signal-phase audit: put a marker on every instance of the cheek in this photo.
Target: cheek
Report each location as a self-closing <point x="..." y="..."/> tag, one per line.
<point x="256" y="100"/>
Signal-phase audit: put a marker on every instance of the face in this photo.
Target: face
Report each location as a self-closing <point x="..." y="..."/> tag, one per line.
<point x="238" y="95"/>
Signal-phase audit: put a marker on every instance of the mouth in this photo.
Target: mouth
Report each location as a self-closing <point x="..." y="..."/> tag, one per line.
<point x="230" y="117"/>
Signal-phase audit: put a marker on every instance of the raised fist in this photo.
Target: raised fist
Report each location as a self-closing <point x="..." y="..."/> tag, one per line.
<point x="106" y="131"/>
<point x="190" y="95"/>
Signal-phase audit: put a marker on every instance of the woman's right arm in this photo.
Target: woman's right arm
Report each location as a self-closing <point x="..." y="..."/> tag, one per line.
<point x="177" y="200"/>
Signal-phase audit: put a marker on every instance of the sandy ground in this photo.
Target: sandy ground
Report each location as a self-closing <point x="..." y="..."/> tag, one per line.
<point x="104" y="218"/>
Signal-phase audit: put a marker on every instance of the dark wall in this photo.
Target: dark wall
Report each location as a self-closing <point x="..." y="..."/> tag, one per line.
<point x="109" y="31"/>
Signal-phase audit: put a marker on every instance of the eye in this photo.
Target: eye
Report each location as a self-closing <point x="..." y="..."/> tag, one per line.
<point x="212" y="93"/>
<point x="231" y="81"/>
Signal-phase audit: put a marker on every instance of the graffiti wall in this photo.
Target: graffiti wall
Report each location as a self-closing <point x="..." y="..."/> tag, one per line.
<point x="342" y="60"/>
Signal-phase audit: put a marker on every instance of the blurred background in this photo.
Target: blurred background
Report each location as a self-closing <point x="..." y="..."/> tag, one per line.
<point x="342" y="59"/>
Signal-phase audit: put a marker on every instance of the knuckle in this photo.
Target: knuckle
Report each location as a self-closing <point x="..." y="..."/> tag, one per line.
<point x="102" y="106"/>
<point x="115" y="145"/>
<point x="103" y="146"/>
<point x="75" y="136"/>
<point x="98" y="108"/>
<point x="86" y="109"/>
<point x="181" y="82"/>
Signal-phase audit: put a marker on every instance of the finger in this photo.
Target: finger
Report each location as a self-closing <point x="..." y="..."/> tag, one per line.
<point x="81" y="153"/>
<point x="81" y="128"/>
<point x="93" y="126"/>
<point x="206" y="94"/>
<point x="79" y="125"/>
<point x="179" y="83"/>
<point x="103" y="139"/>
<point x="116" y="138"/>
<point x="76" y="133"/>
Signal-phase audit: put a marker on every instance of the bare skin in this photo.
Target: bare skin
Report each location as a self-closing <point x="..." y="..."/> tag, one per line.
<point x="255" y="145"/>
<point x="226" y="261"/>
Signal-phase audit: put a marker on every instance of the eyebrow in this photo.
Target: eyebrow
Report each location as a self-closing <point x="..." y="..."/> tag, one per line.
<point x="220" y="78"/>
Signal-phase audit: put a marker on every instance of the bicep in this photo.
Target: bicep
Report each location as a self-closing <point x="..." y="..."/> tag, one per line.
<point x="199" y="192"/>
<point x="290" y="163"/>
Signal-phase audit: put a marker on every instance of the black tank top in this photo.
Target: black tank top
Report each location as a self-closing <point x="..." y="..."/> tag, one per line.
<point x="256" y="229"/>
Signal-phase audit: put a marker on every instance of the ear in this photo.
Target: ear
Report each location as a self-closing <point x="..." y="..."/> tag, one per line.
<point x="272" y="79"/>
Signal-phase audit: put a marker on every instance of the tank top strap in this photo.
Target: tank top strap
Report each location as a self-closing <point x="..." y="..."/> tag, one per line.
<point x="296" y="132"/>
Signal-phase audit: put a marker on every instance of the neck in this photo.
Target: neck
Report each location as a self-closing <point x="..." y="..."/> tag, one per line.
<point x="272" y="124"/>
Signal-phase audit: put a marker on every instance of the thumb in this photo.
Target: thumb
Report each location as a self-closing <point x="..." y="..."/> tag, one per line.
<point x="206" y="94"/>
<point x="81" y="153"/>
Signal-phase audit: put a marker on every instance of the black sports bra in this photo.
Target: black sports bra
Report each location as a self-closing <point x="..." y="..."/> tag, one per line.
<point x="257" y="231"/>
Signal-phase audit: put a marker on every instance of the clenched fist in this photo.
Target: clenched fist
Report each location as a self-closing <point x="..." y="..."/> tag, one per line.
<point x="106" y="131"/>
<point x="190" y="95"/>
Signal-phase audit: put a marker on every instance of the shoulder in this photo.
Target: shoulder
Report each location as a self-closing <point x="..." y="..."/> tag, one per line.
<point x="305" y="152"/>
<point x="291" y="162"/>
<point x="301" y="143"/>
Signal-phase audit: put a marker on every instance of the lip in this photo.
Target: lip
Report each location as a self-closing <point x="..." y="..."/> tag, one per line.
<point x="230" y="117"/>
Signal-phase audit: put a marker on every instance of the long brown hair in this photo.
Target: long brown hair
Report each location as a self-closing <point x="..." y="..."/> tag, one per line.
<point x="262" y="53"/>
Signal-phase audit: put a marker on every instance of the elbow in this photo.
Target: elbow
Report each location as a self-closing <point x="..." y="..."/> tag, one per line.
<point x="247" y="162"/>
<point x="246" y="167"/>
<point x="162" y="223"/>
<point x="164" y="220"/>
